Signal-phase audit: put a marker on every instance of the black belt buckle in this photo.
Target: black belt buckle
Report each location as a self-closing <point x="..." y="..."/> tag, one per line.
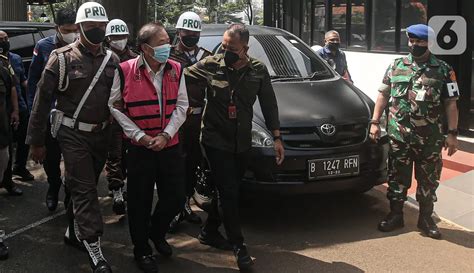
<point x="97" y="128"/>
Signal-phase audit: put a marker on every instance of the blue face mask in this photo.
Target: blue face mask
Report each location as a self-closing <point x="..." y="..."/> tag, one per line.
<point x="162" y="53"/>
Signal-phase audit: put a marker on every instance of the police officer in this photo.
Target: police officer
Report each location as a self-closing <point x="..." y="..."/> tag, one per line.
<point x="66" y="33"/>
<point x="188" y="53"/>
<point x="12" y="109"/>
<point x="234" y="81"/>
<point x="423" y="90"/>
<point x="21" y="154"/>
<point x="80" y="76"/>
<point x="117" y="35"/>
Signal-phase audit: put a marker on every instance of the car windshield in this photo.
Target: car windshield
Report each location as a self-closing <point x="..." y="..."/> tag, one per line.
<point x="285" y="57"/>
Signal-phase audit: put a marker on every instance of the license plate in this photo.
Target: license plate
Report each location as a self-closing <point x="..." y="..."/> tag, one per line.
<point x="333" y="167"/>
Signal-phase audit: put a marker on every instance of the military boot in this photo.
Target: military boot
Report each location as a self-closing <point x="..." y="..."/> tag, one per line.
<point x="96" y="258"/>
<point x="426" y="222"/>
<point x="394" y="220"/>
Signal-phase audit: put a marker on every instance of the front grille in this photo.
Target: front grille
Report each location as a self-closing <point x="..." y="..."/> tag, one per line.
<point x="313" y="138"/>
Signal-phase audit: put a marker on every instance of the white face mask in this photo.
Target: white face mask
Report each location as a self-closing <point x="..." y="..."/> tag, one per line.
<point x="119" y="44"/>
<point x="68" y="38"/>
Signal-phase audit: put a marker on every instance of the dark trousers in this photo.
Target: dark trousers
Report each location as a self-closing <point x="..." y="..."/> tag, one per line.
<point x="227" y="169"/>
<point x="7" y="175"/>
<point x="166" y="170"/>
<point x="21" y="148"/>
<point x="52" y="162"/>
<point x="189" y="137"/>
<point x="114" y="165"/>
<point x="84" y="158"/>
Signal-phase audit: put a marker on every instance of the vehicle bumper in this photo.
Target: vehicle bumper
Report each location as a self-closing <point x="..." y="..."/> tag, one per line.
<point x="292" y="176"/>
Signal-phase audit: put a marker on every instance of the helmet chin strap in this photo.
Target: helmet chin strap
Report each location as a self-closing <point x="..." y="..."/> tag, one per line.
<point x="85" y="37"/>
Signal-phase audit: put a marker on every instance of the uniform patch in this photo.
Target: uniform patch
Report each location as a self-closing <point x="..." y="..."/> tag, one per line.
<point x="452" y="76"/>
<point x="35" y="52"/>
<point x="453" y="90"/>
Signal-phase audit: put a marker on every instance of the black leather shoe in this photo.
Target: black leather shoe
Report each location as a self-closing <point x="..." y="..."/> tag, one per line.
<point x="147" y="264"/>
<point x="102" y="267"/>
<point x="162" y="246"/>
<point x="190" y="215"/>
<point x="215" y="240"/>
<point x="14" y="190"/>
<point x="244" y="261"/>
<point x="23" y="173"/>
<point x="3" y="251"/>
<point x="426" y="223"/>
<point x="394" y="220"/>
<point x="52" y="198"/>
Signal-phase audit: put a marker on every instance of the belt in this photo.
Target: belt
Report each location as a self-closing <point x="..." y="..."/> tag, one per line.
<point x="194" y="110"/>
<point x="82" y="126"/>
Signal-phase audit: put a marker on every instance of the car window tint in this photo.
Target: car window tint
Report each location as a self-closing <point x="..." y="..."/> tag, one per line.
<point x="21" y="43"/>
<point x="284" y="56"/>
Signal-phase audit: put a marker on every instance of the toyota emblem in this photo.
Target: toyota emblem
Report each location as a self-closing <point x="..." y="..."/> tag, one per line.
<point x="328" y="129"/>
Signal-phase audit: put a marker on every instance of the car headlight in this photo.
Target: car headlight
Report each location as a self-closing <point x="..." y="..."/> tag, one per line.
<point x="261" y="137"/>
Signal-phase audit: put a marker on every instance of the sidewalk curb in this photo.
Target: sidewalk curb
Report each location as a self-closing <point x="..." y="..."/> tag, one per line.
<point x="414" y="204"/>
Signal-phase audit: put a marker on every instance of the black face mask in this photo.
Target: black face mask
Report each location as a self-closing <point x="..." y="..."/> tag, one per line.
<point x="334" y="46"/>
<point x="418" y="51"/>
<point x="95" y="36"/>
<point x="4" y="46"/>
<point x="190" y="41"/>
<point x="230" y="57"/>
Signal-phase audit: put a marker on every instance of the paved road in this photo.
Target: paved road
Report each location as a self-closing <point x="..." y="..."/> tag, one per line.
<point x="331" y="233"/>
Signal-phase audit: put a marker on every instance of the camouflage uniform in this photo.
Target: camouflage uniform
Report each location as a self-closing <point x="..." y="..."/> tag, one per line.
<point x="415" y="123"/>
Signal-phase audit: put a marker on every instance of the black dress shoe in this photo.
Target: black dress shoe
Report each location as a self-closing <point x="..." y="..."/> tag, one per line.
<point x="52" y="198"/>
<point x="3" y="251"/>
<point x="162" y="246"/>
<point x="190" y="215"/>
<point x="147" y="264"/>
<point x="244" y="261"/>
<point x="23" y="173"/>
<point x="214" y="239"/>
<point x="14" y="190"/>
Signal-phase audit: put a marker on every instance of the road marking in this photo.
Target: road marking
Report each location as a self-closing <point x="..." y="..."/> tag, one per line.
<point x="35" y="224"/>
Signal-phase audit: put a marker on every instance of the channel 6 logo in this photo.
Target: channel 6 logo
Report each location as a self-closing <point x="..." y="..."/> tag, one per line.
<point x="450" y="35"/>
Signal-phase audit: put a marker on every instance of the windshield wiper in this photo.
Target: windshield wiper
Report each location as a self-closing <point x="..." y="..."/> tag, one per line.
<point x="317" y="74"/>
<point x="312" y="76"/>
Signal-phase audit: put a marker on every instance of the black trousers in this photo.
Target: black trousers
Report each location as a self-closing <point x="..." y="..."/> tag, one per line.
<point x="20" y="135"/>
<point x="84" y="159"/>
<point x="227" y="169"/>
<point x="189" y="137"/>
<point x="114" y="166"/>
<point x="52" y="162"/>
<point x="147" y="168"/>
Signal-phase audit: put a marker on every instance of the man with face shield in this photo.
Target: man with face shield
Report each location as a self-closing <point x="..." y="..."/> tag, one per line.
<point x="66" y="33"/>
<point x="423" y="93"/>
<point x="234" y="81"/>
<point x="151" y="92"/>
<point x="80" y="77"/>
<point x="117" y="35"/>
<point x="332" y="53"/>
<point x="188" y="53"/>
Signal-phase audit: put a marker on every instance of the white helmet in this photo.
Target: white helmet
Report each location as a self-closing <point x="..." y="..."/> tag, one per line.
<point x="91" y="12"/>
<point x="116" y="27"/>
<point x="189" y="21"/>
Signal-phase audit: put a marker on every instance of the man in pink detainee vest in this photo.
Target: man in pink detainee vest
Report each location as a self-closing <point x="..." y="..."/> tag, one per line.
<point x="149" y="101"/>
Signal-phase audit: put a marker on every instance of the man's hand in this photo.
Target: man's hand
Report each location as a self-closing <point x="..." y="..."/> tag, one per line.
<point x="38" y="153"/>
<point x="279" y="152"/>
<point x="15" y="118"/>
<point x="146" y="141"/>
<point x="451" y="144"/>
<point x="159" y="143"/>
<point x="374" y="132"/>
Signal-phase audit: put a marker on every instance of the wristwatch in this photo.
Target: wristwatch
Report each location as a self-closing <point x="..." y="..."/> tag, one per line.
<point x="374" y="121"/>
<point x="276" y="137"/>
<point x="453" y="132"/>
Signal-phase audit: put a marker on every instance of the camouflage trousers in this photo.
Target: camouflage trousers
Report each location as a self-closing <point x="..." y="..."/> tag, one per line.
<point x="428" y="165"/>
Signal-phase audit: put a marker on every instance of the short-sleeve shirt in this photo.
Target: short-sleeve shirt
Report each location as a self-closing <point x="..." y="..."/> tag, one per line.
<point x="417" y="91"/>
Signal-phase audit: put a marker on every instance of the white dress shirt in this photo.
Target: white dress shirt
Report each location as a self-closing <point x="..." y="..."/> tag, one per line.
<point x="130" y="129"/>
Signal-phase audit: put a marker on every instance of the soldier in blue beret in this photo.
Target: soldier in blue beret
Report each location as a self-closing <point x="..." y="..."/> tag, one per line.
<point x="423" y="92"/>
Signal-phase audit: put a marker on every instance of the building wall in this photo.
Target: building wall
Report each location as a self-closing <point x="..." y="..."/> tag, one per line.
<point x="13" y="10"/>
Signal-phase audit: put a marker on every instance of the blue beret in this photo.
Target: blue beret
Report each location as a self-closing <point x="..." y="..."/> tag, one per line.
<point x="419" y="31"/>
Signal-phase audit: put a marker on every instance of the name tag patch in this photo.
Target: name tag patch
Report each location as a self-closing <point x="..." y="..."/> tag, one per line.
<point x="453" y="90"/>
